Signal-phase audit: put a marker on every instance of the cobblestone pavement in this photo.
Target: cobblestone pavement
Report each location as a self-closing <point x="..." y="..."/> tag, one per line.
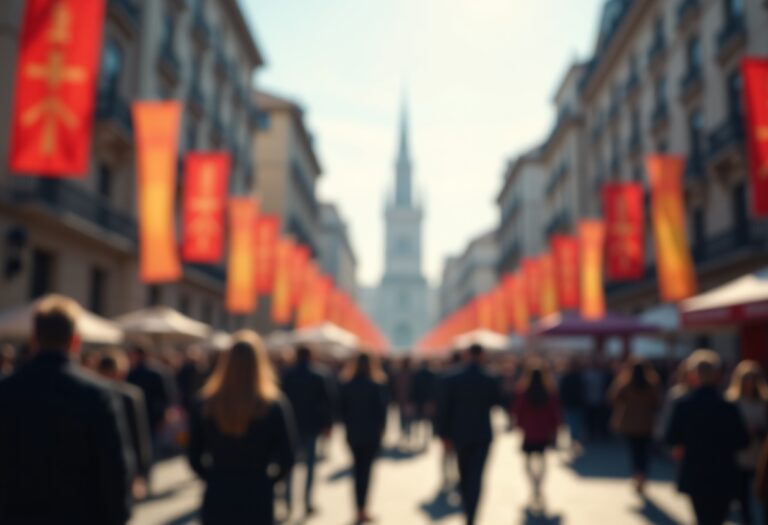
<point x="591" y="490"/>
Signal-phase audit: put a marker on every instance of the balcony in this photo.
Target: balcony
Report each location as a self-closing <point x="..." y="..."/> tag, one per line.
<point x="217" y="130"/>
<point x="632" y="88"/>
<point x="113" y="116"/>
<point x="656" y="53"/>
<point x="635" y="144"/>
<point x="726" y="143"/>
<point x="221" y="65"/>
<point x="168" y="63"/>
<point x="747" y="238"/>
<point x="201" y="30"/>
<point x="126" y="14"/>
<point x="196" y="99"/>
<point x="731" y="39"/>
<point x="510" y="257"/>
<point x="687" y="13"/>
<point x="660" y="117"/>
<point x="695" y="169"/>
<point x="68" y="198"/>
<point x="555" y="178"/>
<point x="560" y="223"/>
<point x="217" y="273"/>
<point x="510" y="210"/>
<point x="691" y="85"/>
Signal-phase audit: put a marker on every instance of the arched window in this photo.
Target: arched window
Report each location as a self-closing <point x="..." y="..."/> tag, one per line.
<point x="111" y="67"/>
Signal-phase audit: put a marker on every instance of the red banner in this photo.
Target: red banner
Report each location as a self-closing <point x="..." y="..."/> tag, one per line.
<point x="206" y="180"/>
<point x="156" y="126"/>
<point x="499" y="310"/>
<point x="532" y="277"/>
<point x="299" y="263"/>
<point x="308" y="312"/>
<point x="266" y="238"/>
<point x="282" y="293"/>
<point x="676" y="273"/>
<point x="624" y="230"/>
<point x="241" y="298"/>
<point x="565" y="250"/>
<point x="520" y="304"/>
<point x="755" y="74"/>
<point x="591" y="251"/>
<point x="549" y="304"/>
<point x="56" y="71"/>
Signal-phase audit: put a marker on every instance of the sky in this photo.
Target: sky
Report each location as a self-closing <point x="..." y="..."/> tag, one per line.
<point x="479" y="77"/>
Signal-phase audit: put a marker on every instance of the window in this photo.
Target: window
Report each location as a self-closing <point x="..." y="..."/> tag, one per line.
<point x="734" y="89"/>
<point x="111" y="68"/>
<point x="207" y="312"/>
<point x="104" y="181"/>
<point x="191" y="136"/>
<point x="695" y="136"/>
<point x="42" y="274"/>
<point x="154" y="295"/>
<point x="693" y="53"/>
<point x="734" y="9"/>
<point x="699" y="232"/>
<point x="98" y="288"/>
<point x="658" y="32"/>
<point x="661" y="90"/>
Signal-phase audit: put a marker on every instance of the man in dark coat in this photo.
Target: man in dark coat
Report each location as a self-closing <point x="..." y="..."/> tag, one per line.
<point x="464" y="423"/>
<point x="113" y="365"/>
<point x="423" y="392"/>
<point x="706" y="432"/>
<point x="310" y="393"/>
<point x="63" y="453"/>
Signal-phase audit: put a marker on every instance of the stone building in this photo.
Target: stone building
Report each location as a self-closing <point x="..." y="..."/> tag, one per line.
<point x="337" y="257"/>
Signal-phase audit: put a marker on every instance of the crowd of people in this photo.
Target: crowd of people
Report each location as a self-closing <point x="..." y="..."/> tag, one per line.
<point x="82" y="430"/>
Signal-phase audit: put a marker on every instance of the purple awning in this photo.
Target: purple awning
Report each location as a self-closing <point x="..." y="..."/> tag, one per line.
<point x="572" y="324"/>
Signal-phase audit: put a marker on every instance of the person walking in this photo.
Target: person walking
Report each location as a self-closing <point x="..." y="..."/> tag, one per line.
<point x="636" y="400"/>
<point x="536" y="410"/>
<point x="422" y="399"/>
<point x="64" y="453"/>
<point x="402" y="380"/>
<point x="239" y="429"/>
<point x="113" y="366"/>
<point x="749" y="391"/>
<point x="706" y="432"/>
<point x="364" y="413"/>
<point x="309" y="392"/>
<point x="572" y="399"/>
<point x="464" y="406"/>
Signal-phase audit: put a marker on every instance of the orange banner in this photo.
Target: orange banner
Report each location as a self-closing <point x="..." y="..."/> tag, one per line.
<point x="624" y="230"/>
<point x="267" y="235"/>
<point x="521" y="316"/>
<point x="499" y="310"/>
<point x="676" y="273"/>
<point x="308" y="311"/>
<point x="532" y="276"/>
<point x="282" y="293"/>
<point x="548" y="285"/>
<point x="206" y="179"/>
<point x="241" y="298"/>
<point x="56" y="71"/>
<point x="299" y="263"/>
<point x="156" y="125"/>
<point x="755" y="75"/>
<point x="565" y="250"/>
<point x="484" y="312"/>
<point x="591" y="250"/>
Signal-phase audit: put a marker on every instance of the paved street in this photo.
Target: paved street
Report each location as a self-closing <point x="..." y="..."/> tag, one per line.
<point x="593" y="490"/>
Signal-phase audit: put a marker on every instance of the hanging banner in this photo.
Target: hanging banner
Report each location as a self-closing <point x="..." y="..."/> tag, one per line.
<point x="156" y="126"/>
<point x="565" y="251"/>
<point x="548" y="285"/>
<point x="281" y="292"/>
<point x="532" y="277"/>
<point x="240" y="275"/>
<point x="484" y="309"/>
<point x="675" y="269"/>
<point x="299" y="263"/>
<point x="591" y="251"/>
<point x="520" y="305"/>
<point x="499" y="310"/>
<point x="56" y="70"/>
<point x="624" y="230"/>
<point x="755" y="75"/>
<point x="206" y="179"/>
<point x="266" y="238"/>
<point x="308" y="307"/>
<point x="508" y="288"/>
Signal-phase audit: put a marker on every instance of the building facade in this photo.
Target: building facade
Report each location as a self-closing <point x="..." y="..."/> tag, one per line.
<point x="287" y="169"/>
<point x="337" y="258"/>
<point x="79" y="237"/>
<point x="402" y="296"/>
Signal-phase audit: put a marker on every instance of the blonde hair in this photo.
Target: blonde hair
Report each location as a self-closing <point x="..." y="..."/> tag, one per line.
<point x="366" y="365"/>
<point x="736" y="389"/>
<point x="242" y="387"/>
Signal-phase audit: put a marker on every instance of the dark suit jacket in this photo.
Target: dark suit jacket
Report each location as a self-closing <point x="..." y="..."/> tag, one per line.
<point x="158" y="391"/>
<point x="711" y="431"/>
<point x="135" y="409"/>
<point x="64" y="456"/>
<point x="364" y="410"/>
<point x="465" y="399"/>
<point x="423" y="386"/>
<point x="309" y="392"/>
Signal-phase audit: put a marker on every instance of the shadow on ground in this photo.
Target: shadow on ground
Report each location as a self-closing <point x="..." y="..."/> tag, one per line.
<point x="531" y="517"/>
<point x="185" y="519"/>
<point x="611" y="460"/>
<point x="441" y="506"/>
<point x="655" y="514"/>
<point x="168" y="492"/>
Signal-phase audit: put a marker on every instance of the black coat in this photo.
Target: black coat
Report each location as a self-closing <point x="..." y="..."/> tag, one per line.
<point x="572" y="390"/>
<point x="364" y="410"/>
<point x="239" y="489"/>
<point x="135" y="409"/>
<point x="465" y="400"/>
<point x="423" y="386"/>
<point x="310" y="394"/>
<point x="711" y="431"/>
<point x="158" y="391"/>
<point x="64" y="456"/>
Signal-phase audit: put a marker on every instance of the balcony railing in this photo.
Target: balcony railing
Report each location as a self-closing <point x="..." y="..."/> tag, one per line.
<point x="64" y="197"/>
<point x="633" y="83"/>
<point x="694" y="166"/>
<point x="657" y="51"/>
<point x="660" y="114"/>
<point x="221" y="64"/>
<point x="110" y="106"/>
<point x="560" y="222"/>
<point x="196" y="97"/>
<point x="691" y="81"/>
<point x="169" y="62"/>
<point x="635" y="144"/>
<point x="734" y="30"/>
<point x="728" y="135"/>
<point x="201" y="30"/>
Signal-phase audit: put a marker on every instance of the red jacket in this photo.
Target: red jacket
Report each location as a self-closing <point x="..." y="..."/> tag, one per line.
<point x="539" y="424"/>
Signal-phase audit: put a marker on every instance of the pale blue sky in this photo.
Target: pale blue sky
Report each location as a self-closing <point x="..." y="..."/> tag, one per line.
<point x="480" y="75"/>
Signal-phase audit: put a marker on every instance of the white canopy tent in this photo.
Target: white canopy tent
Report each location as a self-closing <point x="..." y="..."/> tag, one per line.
<point x="16" y="325"/>
<point x="164" y="325"/>
<point x="327" y="337"/>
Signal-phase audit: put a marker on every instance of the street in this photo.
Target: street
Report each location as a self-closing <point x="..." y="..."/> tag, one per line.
<point x="593" y="490"/>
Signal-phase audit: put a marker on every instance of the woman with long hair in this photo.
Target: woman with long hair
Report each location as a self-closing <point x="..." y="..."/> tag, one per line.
<point x="364" y="411"/>
<point x="636" y="400"/>
<point x="749" y="391"/>
<point x="537" y="411"/>
<point x="239" y="429"/>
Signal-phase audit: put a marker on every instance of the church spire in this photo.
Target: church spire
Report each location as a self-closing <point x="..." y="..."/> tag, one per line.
<point x="403" y="182"/>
